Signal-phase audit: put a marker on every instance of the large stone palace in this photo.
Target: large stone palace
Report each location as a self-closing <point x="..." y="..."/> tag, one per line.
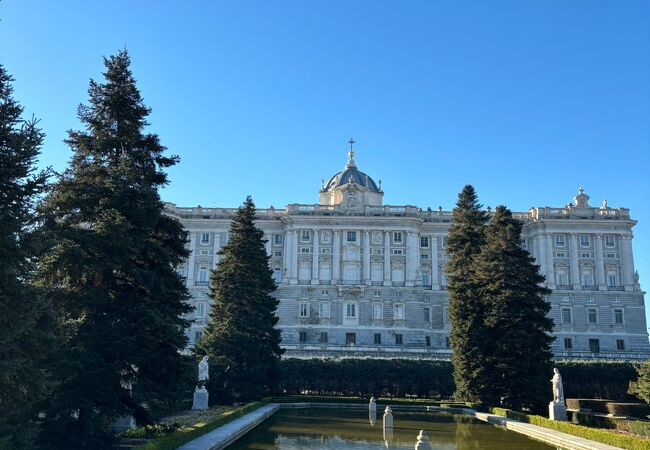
<point x="356" y="277"/>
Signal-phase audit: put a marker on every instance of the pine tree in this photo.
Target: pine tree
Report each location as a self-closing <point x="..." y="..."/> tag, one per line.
<point x="467" y="337"/>
<point x="25" y="324"/>
<point x="241" y="338"/>
<point x="518" y="329"/>
<point x="110" y="272"/>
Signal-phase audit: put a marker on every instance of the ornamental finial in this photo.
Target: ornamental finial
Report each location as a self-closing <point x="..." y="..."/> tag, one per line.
<point x="351" y="154"/>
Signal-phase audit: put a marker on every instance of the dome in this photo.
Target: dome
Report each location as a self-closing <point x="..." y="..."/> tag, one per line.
<point x="351" y="175"/>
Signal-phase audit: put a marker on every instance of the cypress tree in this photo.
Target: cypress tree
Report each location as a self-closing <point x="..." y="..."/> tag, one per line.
<point x="110" y="272"/>
<point x="241" y="338"/>
<point x="25" y="324"/>
<point x="467" y="337"/>
<point x="517" y="326"/>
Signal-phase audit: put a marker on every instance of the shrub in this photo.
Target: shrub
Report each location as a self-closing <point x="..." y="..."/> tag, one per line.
<point x="589" y="404"/>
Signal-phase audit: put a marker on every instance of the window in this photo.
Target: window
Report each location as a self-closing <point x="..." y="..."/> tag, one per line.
<point x="587" y="278"/>
<point x="398" y="339"/>
<point x="618" y="316"/>
<point x="566" y="316"/>
<point x="398" y="294"/>
<point x="377" y="294"/>
<point x="304" y="237"/>
<point x="427" y="341"/>
<point x="204" y="252"/>
<point x="197" y="336"/>
<point x="568" y="344"/>
<point x="594" y="345"/>
<point x="181" y="273"/>
<point x="203" y="274"/>
<point x="592" y="316"/>
<point x="610" y="240"/>
<point x="352" y="236"/>
<point x="305" y="249"/>
<point x="562" y="277"/>
<point x="277" y="253"/>
<point x="205" y="238"/>
<point x="584" y="240"/>
<point x="377" y="338"/>
<point x="610" y="255"/>
<point x="277" y="274"/>
<point x="351" y="310"/>
<point x="278" y="239"/>
<point x="445" y="315"/>
<point x="377" y="311"/>
<point x="398" y="251"/>
<point x="398" y="311"/>
<point x="324" y="310"/>
<point x="350" y="338"/>
<point x="377" y="251"/>
<point x="612" y="277"/>
<point x="397" y="237"/>
<point x="324" y="292"/>
<point x="444" y="242"/>
<point x="304" y="309"/>
<point x="302" y="336"/>
<point x="560" y="254"/>
<point x="559" y="240"/>
<point x="585" y="254"/>
<point x="427" y="314"/>
<point x="323" y="336"/>
<point x="447" y="344"/>
<point x="620" y="344"/>
<point x="424" y="241"/>
<point x="424" y="256"/>
<point x="199" y="311"/>
<point x="426" y="279"/>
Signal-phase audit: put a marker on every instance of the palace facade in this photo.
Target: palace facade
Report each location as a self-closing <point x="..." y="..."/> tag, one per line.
<point x="356" y="277"/>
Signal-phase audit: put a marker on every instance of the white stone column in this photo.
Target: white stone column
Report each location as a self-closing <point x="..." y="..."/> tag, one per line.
<point x="366" y="258"/>
<point x="217" y="247"/>
<point x="411" y="258"/>
<point x="435" y="281"/>
<point x="267" y="245"/>
<point x="336" y="257"/>
<point x="540" y="242"/>
<point x="286" y="258"/>
<point x="627" y="262"/>
<point x="387" y="280"/>
<point x="294" y="257"/>
<point x="600" y="264"/>
<point x="573" y="255"/>
<point x="314" y="260"/>
<point x="191" y="262"/>
<point x="550" y="269"/>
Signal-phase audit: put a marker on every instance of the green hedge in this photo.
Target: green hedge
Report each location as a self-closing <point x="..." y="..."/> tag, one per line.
<point x="364" y="401"/>
<point x="433" y="379"/>
<point x="366" y="377"/>
<point x="180" y="437"/>
<point x="602" y="436"/>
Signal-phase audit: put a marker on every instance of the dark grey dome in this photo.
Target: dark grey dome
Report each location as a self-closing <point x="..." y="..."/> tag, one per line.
<point x="351" y="174"/>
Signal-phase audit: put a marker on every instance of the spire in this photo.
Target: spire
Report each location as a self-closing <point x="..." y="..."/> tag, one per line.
<point x="351" y="162"/>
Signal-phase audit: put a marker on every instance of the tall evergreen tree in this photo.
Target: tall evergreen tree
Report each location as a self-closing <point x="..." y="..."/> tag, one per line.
<point x="25" y="324"/>
<point x="110" y="272"/>
<point x="241" y="338"/>
<point x="518" y="329"/>
<point x="467" y="336"/>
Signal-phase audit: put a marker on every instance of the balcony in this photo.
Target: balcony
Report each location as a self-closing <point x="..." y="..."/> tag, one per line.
<point x="589" y="288"/>
<point x="615" y="288"/>
<point x="564" y="287"/>
<point x="200" y="283"/>
<point x="350" y="282"/>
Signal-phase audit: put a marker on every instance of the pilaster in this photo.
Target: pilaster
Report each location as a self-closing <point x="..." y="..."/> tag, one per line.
<point x="600" y="264"/>
<point x="387" y="280"/>
<point x="573" y="255"/>
<point x="336" y="257"/>
<point x="435" y="281"/>
<point x="411" y="258"/>
<point x="314" y="261"/>
<point x="192" y="260"/>
<point x="366" y="258"/>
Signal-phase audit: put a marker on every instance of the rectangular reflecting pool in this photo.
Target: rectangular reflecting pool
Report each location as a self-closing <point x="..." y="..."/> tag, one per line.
<point x="353" y="429"/>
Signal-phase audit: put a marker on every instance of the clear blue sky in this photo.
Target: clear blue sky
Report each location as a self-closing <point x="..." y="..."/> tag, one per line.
<point x="527" y="100"/>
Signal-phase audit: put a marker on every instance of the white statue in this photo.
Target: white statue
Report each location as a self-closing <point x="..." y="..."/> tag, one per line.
<point x="203" y="369"/>
<point x="558" y="389"/>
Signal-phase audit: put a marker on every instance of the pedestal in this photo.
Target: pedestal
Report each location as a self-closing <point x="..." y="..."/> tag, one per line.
<point x="200" y="402"/>
<point x="557" y="411"/>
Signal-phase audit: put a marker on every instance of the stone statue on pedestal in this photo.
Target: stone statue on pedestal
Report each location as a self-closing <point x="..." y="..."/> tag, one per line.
<point x="200" y="402"/>
<point x="557" y="408"/>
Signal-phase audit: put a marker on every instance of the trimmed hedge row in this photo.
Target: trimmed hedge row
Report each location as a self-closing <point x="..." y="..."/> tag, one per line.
<point x="182" y="436"/>
<point x="433" y="379"/>
<point x="602" y="436"/>
<point x="638" y="427"/>
<point x="640" y="410"/>
<point x="364" y="401"/>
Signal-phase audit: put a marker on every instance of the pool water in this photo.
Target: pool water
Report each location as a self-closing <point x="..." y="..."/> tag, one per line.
<point x="351" y="429"/>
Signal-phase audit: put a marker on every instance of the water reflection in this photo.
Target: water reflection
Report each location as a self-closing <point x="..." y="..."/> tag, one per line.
<point x="345" y="429"/>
